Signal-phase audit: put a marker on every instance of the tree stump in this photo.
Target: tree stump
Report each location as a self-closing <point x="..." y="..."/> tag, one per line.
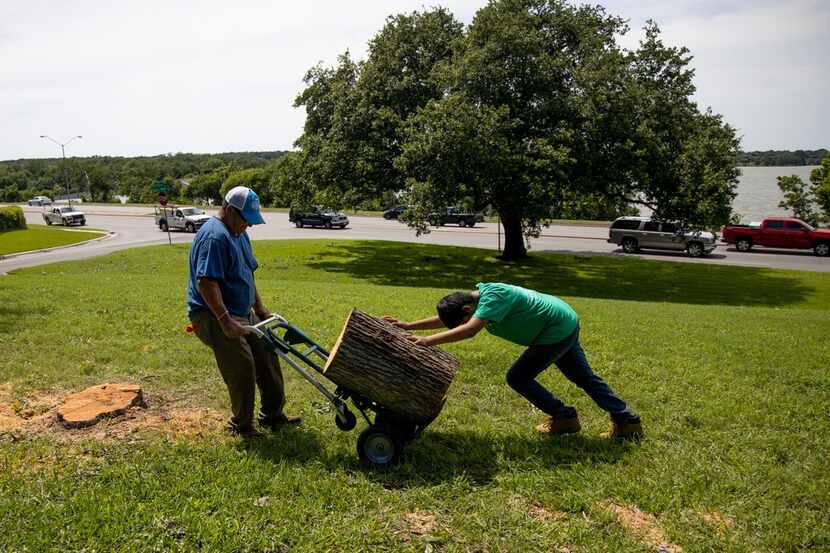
<point x="88" y="406"/>
<point x="373" y="359"/>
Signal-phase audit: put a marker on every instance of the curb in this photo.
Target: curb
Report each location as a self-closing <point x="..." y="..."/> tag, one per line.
<point x="107" y="236"/>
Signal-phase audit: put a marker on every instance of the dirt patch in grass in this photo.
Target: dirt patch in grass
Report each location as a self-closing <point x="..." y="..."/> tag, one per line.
<point x="417" y="524"/>
<point x="35" y="415"/>
<point x="536" y="510"/>
<point x="642" y="525"/>
<point x="717" y="519"/>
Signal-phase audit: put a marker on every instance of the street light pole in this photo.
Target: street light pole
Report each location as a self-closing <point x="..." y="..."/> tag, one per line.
<point x="63" y="155"/>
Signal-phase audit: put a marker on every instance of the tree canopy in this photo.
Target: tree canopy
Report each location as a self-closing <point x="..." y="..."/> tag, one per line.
<point x="531" y="108"/>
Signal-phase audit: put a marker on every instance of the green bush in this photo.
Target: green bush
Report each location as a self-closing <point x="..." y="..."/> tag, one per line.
<point x="12" y="218"/>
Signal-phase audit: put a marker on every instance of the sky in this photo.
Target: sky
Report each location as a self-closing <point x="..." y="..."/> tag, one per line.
<point x="152" y="77"/>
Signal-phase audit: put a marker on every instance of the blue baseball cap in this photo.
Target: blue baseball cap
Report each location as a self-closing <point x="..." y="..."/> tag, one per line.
<point x="247" y="202"/>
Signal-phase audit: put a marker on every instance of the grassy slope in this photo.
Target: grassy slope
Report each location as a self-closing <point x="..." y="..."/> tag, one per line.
<point x="39" y="236"/>
<point x="727" y="366"/>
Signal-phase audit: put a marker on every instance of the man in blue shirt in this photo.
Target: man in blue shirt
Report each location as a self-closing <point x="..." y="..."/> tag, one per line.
<point x="222" y="298"/>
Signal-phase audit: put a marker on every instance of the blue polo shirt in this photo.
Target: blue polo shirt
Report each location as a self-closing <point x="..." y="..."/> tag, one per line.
<point x="218" y="254"/>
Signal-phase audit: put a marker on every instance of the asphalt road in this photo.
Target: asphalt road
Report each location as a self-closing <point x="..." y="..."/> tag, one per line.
<point x="134" y="226"/>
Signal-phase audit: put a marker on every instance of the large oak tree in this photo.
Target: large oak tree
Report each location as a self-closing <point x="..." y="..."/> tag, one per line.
<point x="533" y="105"/>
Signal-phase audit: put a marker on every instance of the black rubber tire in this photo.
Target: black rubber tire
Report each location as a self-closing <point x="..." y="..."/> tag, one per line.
<point x="48" y="221"/>
<point x="629" y="245"/>
<point x="743" y="244"/>
<point x="163" y="226"/>
<point x="299" y="223"/>
<point x="378" y="447"/>
<point x="328" y="224"/>
<point x="348" y="424"/>
<point x="190" y="227"/>
<point x="822" y="249"/>
<point x="695" y="249"/>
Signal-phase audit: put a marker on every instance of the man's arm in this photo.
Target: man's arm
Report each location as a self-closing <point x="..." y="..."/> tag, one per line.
<point x="259" y="308"/>
<point x="424" y="324"/>
<point x="461" y="332"/>
<point x="209" y="290"/>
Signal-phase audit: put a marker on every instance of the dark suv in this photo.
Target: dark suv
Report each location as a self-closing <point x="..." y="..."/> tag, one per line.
<point x="454" y="216"/>
<point x="395" y="212"/>
<point x="318" y="217"/>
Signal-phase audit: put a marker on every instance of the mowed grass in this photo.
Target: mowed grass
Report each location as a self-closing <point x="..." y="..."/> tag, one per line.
<point x="727" y="366"/>
<point x="39" y="236"/>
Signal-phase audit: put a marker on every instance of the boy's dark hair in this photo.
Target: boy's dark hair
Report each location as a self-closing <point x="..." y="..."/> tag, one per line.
<point x="451" y="308"/>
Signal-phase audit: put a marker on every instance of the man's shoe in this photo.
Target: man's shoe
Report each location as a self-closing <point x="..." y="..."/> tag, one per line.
<point x="280" y="421"/>
<point x="566" y="423"/>
<point x="627" y="427"/>
<point x="246" y="433"/>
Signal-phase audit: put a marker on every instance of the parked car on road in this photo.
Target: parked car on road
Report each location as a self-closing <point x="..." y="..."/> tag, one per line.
<point x="318" y="217"/>
<point x="40" y="200"/>
<point x="635" y="233"/>
<point x="778" y="232"/>
<point x="188" y="219"/>
<point x="395" y="212"/>
<point x="454" y="216"/>
<point x="66" y="215"/>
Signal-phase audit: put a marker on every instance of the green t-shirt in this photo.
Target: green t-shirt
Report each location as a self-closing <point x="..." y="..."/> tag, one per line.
<point x="524" y="316"/>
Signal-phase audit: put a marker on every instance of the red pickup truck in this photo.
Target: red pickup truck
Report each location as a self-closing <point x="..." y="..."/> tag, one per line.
<point x="778" y="232"/>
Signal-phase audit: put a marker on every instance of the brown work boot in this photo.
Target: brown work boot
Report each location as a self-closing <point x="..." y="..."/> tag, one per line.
<point x="627" y="427"/>
<point x="279" y="421"/>
<point x="566" y="423"/>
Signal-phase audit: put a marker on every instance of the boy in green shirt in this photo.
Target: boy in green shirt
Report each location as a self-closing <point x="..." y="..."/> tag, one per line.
<point x="549" y="328"/>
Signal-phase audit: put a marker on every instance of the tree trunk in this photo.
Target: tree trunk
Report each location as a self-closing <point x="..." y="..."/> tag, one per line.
<point x="373" y="359"/>
<point x="514" y="242"/>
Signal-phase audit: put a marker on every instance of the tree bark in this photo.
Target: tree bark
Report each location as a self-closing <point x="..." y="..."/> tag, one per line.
<point x="514" y="243"/>
<point x="373" y="359"/>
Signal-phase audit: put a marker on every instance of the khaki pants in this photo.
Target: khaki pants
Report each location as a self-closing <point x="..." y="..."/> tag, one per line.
<point x="245" y="364"/>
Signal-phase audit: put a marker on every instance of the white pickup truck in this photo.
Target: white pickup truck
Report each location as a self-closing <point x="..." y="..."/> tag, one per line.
<point x="189" y="219"/>
<point x="64" y="215"/>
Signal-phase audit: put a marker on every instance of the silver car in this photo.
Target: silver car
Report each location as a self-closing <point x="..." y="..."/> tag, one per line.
<point x="635" y="233"/>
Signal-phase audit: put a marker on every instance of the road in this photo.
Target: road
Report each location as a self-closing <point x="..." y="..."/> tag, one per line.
<point x="133" y="226"/>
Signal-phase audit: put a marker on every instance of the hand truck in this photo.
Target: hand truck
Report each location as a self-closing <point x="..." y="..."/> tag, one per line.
<point x="381" y="443"/>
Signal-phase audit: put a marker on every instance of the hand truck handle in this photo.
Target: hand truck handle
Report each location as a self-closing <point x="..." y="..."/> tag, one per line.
<point x="256" y="329"/>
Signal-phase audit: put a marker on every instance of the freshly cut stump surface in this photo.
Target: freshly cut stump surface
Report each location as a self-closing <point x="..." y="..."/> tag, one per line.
<point x="374" y="359"/>
<point x="87" y="407"/>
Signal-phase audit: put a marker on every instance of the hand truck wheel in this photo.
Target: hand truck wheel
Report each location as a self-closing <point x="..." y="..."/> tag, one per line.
<point x="347" y="422"/>
<point x="378" y="447"/>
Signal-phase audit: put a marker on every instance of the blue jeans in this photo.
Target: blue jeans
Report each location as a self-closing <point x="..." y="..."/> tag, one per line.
<point x="569" y="357"/>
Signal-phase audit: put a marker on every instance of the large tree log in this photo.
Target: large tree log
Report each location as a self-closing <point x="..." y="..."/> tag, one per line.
<point x="372" y="358"/>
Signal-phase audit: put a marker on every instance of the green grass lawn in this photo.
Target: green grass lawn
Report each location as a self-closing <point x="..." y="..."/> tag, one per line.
<point x="727" y="366"/>
<point x="40" y="236"/>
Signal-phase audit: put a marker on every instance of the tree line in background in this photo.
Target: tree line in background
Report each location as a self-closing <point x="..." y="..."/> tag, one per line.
<point x="781" y="158"/>
<point x="189" y="176"/>
<point x="808" y="202"/>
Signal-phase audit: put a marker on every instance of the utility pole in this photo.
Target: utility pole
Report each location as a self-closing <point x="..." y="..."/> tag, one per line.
<point x="63" y="155"/>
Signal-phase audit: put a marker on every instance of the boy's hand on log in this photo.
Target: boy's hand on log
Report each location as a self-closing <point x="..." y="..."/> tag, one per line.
<point x="398" y="323"/>
<point x="418" y="340"/>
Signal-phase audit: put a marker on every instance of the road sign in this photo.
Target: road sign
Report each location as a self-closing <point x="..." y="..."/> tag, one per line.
<point x="161" y="187"/>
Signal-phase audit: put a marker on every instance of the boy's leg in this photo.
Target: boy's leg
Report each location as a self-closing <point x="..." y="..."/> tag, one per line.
<point x="574" y="365"/>
<point x="522" y="378"/>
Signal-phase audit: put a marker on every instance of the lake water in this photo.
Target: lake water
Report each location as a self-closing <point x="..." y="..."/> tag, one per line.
<point x="758" y="193"/>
